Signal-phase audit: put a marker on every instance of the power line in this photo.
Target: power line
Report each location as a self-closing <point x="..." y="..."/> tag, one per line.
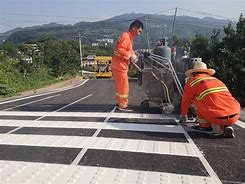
<point x="165" y="11"/>
<point x="204" y="13"/>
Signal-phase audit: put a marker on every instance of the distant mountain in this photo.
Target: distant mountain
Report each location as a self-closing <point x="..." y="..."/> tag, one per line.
<point x="158" y="26"/>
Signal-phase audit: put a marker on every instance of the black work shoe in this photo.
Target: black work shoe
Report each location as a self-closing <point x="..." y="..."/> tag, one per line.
<point x="228" y="132"/>
<point x="202" y="129"/>
<point x="125" y="109"/>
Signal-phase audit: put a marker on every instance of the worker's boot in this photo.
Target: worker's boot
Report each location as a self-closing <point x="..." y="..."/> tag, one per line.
<point x="125" y="109"/>
<point x="200" y="129"/>
<point x="228" y="132"/>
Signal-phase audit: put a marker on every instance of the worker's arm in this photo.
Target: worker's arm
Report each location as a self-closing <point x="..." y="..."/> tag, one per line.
<point x="124" y="44"/>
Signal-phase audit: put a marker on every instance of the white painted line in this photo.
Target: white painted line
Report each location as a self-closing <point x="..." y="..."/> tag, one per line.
<point x="56" y="91"/>
<point x="94" y="125"/>
<point x="32" y="102"/>
<point x="28" y="172"/>
<point x="85" y="114"/>
<point x="240" y="123"/>
<point x="101" y="143"/>
<point x="44" y="114"/>
<point x="205" y="163"/>
<point x="84" y="150"/>
<point x="83" y="98"/>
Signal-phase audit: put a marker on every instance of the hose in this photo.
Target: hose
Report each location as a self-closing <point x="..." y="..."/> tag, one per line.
<point x="165" y="86"/>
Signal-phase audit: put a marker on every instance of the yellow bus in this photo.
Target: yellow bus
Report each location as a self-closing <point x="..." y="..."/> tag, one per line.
<point x="103" y="66"/>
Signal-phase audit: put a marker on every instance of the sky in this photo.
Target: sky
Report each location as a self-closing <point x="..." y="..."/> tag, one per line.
<point x="24" y="13"/>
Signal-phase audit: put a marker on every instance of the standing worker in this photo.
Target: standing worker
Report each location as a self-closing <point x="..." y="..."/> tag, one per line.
<point x="215" y="107"/>
<point x="123" y="55"/>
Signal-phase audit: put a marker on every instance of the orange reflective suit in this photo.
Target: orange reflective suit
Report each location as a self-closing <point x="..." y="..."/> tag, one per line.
<point x="120" y="64"/>
<point x="213" y="102"/>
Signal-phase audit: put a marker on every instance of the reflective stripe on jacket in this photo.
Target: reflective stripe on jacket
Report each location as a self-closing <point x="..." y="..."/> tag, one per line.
<point x="123" y="51"/>
<point x="209" y="95"/>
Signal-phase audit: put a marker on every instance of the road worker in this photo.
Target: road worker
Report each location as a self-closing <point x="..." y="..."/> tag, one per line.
<point x="215" y="107"/>
<point x="123" y="55"/>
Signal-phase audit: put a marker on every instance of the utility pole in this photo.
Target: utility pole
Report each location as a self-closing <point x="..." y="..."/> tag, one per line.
<point x="147" y="34"/>
<point x="173" y="28"/>
<point x="80" y="47"/>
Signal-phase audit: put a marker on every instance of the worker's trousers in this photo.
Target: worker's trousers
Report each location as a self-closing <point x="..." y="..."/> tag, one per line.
<point x="121" y="87"/>
<point x="207" y="120"/>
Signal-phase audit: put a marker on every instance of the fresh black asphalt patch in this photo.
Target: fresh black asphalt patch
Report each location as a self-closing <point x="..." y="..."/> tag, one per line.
<point x="56" y="131"/>
<point x="225" y="155"/>
<point x="67" y="118"/>
<point x="156" y="136"/>
<point x="143" y="121"/>
<point x="144" y="162"/>
<point x="38" y="154"/>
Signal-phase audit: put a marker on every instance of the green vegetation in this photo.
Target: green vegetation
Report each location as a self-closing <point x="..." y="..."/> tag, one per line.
<point x="226" y="55"/>
<point x="32" y="65"/>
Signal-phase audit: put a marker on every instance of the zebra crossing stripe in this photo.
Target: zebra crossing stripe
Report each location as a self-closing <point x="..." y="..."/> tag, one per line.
<point x="84" y="114"/>
<point x="117" y="144"/>
<point x="94" y="125"/>
<point x="241" y="124"/>
<point x="28" y="172"/>
<point x="185" y="150"/>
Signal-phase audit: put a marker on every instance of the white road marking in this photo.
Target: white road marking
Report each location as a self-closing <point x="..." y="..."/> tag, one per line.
<point x="56" y="91"/>
<point x="101" y="143"/>
<point x="202" y="158"/>
<point x="84" y="150"/>
<point x="240" y="123"/>
<point x="86" y="114"/>
<point x="155" y="147"/>
<point x="94" y="125"/>
<point x="31" y="102"/>
<point x="28" y="172"/>
<point x="44" y="114"/>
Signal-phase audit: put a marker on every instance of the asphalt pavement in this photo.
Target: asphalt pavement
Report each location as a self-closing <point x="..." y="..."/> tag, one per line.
<point x="77" y="135"/>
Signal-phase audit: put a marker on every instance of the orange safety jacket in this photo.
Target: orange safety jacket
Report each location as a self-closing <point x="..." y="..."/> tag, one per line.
<point x="123" y="51"/>
<point x="210" y="97"/>
<point x="120" y="64"/>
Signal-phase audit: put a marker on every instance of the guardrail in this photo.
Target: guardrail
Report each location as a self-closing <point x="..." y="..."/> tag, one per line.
<point x="87" y="74"/>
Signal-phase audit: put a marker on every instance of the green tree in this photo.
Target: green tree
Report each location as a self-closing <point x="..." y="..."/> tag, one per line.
<point x="228" y="58"/>
<point x="9" y="49"/>
<point x="199" y="47"/>
<point x="61" y="57"/>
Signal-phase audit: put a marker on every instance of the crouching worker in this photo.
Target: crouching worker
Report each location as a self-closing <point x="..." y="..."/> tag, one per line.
<point x="215" y="107"/>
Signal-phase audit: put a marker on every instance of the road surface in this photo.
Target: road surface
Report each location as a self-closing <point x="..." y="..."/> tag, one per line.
<point x="77" y="135"/>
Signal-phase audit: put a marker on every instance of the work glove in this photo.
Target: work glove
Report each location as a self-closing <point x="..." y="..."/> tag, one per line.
<point x="134" y="58"/>
<point x="183" y="119"/>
